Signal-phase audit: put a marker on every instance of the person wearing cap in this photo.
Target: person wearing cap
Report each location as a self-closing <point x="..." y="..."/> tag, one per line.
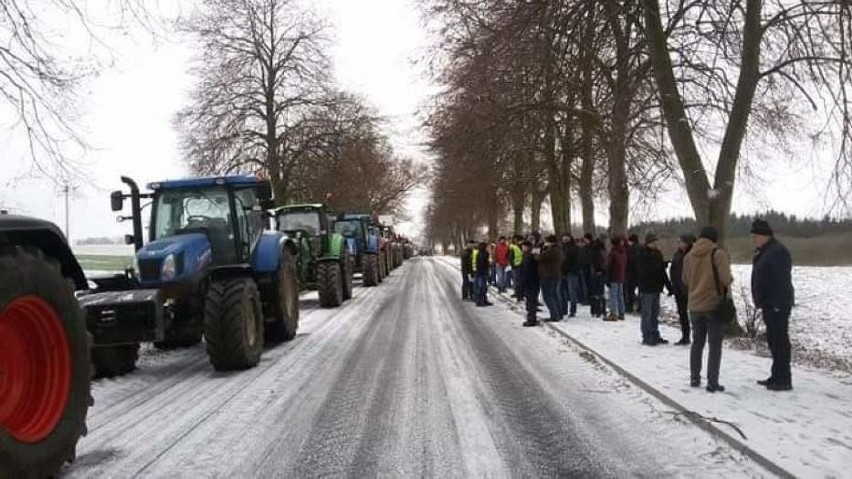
<point x="652" y="279"/>
<point x="529" y="283"/>
<point x="570" y="275"/>
<point x="701" y="267"/>
<point x="584" y="264"/>
<point x="467" y="270"/>
<point x="597" y="292"/>
<point x="550" y="274"/>
<point x="684" y="245"/>
<point x="772" y="293"/>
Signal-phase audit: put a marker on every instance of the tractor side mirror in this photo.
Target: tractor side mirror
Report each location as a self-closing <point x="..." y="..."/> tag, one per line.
<point x="117" y="200"/>
<point x="264" y="191"/>
<point x="129" y="239"/>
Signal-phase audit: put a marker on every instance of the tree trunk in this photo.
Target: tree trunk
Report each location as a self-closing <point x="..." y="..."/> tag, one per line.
<point x="588" y="133"/>
<point x="619" y="194"/>
<point x="538" y="198"/>
<point x="518" y="202"/>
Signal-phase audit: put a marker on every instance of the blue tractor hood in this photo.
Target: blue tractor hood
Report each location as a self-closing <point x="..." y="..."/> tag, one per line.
<point x="191" y="253"/>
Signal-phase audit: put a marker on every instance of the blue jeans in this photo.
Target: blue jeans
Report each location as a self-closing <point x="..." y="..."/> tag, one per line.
<point x="501" y="277"/>
<point x="550" y="289"/>
<point x="650" y="303"/>
<point x="570" y="293"/>
<point x="480" y="289"/>
<point x="616" y="299"/>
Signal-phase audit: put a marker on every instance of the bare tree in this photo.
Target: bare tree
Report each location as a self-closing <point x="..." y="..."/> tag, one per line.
<point x="262" y="63"/>
<point x="40" y="77"/>
<point x="743" y="64"/>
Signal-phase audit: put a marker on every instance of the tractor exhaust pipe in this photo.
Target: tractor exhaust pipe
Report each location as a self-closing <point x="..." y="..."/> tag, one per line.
<point x="135" y="211"/>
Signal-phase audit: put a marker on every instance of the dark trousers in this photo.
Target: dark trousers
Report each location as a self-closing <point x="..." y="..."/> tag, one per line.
<point x="683" y="315"/>
<point x="778" y="337"/>
<point x="550" y="289"/>
<point x="480" y="289"/>
<point x="467" y="288"/>
<point x="706" y="327"/>
<point x="597" y="295"/>
<point x="531" y="295"/>
<point x="585" y="280"/>
<point x="630" y="298"/>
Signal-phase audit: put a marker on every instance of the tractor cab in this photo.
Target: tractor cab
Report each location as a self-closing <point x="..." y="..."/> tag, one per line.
<point x="308" y="222"/>
<point x="196" y="223"/>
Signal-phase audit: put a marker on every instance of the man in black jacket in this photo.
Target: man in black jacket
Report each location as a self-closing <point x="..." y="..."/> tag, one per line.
<point x="680" y="290"/>
<point x="584" y="266"/>
<point x="529" y="283"/>
<point x="467" y="271"/>
<point x="632" y="280"/>
<point x="570" y="272"/>
<point x="483" y="269"/>
<point x="652" y="279"/>
<point x="772" y="292"/>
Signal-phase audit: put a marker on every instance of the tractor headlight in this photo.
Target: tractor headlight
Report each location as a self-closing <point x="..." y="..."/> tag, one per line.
<point x="169" y="269"/>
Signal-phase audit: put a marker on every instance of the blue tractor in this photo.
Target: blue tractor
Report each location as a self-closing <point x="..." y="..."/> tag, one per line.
<point x="210" y="267"/>
<point x="362" y="235"/>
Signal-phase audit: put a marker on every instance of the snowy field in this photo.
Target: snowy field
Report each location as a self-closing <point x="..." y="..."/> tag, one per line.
<point x="821" y="322"/>
<point x="103" y="250"/>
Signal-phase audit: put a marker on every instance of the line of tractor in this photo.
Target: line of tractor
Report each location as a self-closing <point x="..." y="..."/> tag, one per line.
<point x="221" y="263"/>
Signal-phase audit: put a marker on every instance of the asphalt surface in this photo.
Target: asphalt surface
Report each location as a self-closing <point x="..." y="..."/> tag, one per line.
<point x="404" y="380"/>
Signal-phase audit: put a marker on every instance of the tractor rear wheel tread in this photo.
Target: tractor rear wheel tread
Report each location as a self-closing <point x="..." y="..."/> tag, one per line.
<point x="233" y="324"/>
<point x="371" y="270"/>
<point x="285" y="309"/>
<point x="346" y="266"/>
<point x="25" y="271"/>
<point x="329" y="284"/>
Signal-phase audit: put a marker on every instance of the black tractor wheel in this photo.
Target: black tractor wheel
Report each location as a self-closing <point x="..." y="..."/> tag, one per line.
<point x="111" y="361"/>
<point x="44" y="366"/>
<point x="330" y="284"/>
<point x="370" y="274"/>
<point x="186" y="329"/>
<point x="348" y="279"/>
<point x="233" y="324"/>
<point x="286" y="303"/>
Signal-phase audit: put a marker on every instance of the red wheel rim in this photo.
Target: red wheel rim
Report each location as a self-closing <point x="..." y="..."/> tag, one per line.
<point x="35" y="369"/>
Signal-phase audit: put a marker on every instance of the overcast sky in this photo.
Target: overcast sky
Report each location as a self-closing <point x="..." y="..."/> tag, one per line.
<point x="128" y="110"/>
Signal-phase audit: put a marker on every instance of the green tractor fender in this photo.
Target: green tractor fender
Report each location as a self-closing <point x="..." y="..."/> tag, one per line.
<point x="336" y="248"/>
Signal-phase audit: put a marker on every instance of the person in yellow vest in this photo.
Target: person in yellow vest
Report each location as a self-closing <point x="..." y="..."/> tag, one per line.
<point x="516" y="257"/>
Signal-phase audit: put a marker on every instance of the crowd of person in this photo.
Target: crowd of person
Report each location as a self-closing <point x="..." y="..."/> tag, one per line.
<point x="623" y="275"/>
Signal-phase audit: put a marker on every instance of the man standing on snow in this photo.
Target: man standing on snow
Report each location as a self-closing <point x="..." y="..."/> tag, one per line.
<point x="501" y="262"/>
<point x="632" y="280"/>
<point x="772" y="292"/>
<point x="570" y="272"/>
<point x="680" y="291"/>
<point x="528" y="283"/>
<point x="481" y="265"/>
<point x="550" y="274"/>
<point x="617" y="272"/>
<point x="467" y="270"/>
<point x="652" y="279"/>
<point x="707" y="276"/>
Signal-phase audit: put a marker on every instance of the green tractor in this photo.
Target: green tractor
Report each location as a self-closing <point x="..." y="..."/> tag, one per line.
<point x="325" y="261"/>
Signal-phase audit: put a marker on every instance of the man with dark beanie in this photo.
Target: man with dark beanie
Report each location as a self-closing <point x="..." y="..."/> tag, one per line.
<point x="685" y="242"/>
<point x="772" y="292"/>
<point x="701" y="268"/>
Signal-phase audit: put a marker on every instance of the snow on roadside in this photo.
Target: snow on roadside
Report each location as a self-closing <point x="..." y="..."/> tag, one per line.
<point x="820" y="324"/>
<point x="807" y="431"/>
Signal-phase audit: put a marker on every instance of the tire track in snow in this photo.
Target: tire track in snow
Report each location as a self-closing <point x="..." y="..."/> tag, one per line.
<point x="158" y="423"/>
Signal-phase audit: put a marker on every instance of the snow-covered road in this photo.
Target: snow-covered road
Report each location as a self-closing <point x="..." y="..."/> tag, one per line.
<point x="404" y="380"/>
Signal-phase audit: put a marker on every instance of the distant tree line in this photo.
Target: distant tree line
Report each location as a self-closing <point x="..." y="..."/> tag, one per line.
<point x="99" y="240"/>
<point x="739" y="226"/>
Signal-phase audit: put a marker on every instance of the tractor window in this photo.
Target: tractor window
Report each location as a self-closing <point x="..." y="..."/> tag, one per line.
<point x="308" y="221"/>
<point x="349" y="229"/>
<point x="250" y="221"/>
<point x="177" y="211"/>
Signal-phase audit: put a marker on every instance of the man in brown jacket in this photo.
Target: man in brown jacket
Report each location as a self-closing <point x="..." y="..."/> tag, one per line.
<point x="704" y="298"/>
